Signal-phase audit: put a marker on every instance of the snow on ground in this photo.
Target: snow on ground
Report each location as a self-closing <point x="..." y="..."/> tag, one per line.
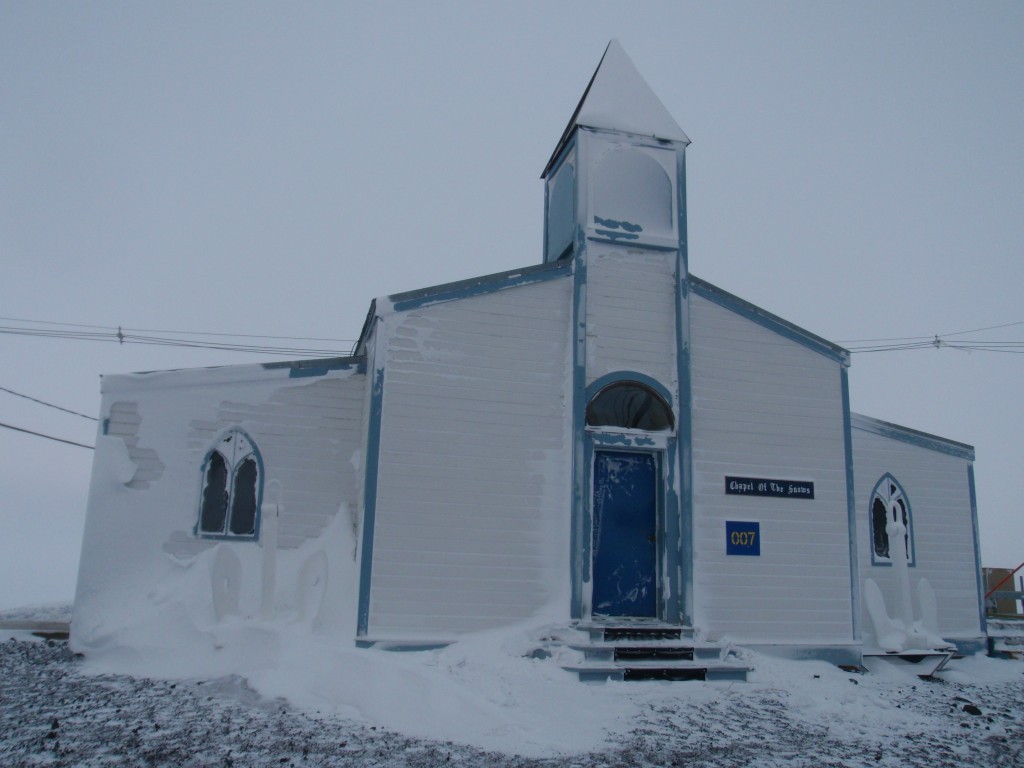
<point x="479" y="702"/>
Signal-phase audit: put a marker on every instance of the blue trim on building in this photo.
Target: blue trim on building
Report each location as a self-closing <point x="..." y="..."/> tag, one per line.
<point x="370" y="500"/>
<point x="621" y="376"/>
<point x="298" y="369"/>
<point x="579" y="559"/>
<point x="977" y="550"/>
<point x="681" y="210"/>
<point x="851" y="505"/>
<point x="767" y="320"/>
<point x="913" y="437"/>
<point x="477" y="286"/>
<point x="684" y="427"/>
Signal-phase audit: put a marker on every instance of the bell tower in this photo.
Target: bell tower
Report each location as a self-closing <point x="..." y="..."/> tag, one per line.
<point x="615" y="209"/>
<point x="617" y="173"/>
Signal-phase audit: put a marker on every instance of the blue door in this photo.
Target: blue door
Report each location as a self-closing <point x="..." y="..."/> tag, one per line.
<point x="625" y="548"/>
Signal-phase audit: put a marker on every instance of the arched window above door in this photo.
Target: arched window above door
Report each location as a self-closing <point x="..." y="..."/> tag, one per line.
<point x="629" y="405"/>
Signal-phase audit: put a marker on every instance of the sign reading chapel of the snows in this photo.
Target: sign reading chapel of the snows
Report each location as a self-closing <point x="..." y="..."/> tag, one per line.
<point x="759" y="486"/>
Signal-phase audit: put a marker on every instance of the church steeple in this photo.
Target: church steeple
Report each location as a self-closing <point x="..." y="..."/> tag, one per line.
<point x="618" y="98"/>
<point x="616" y="174"/>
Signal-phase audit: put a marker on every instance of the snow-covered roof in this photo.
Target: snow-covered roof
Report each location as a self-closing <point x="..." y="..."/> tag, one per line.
<point x="912" y="436"/>
<point x="619" y="99"/>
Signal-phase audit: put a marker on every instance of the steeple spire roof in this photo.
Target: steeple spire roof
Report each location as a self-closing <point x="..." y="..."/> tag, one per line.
<point x="619" y="99"/>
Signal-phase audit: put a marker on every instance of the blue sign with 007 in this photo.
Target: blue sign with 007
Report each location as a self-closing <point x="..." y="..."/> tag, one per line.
<point x="742" y="538"/>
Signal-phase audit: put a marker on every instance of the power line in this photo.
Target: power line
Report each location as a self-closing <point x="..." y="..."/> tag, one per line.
<point x="183" y="333"/>
<point x="48" y="437"/>
<point x="119" y="336"/>
<point x="50" y="405"/>
<point x="990" y="328"/>
<point x="936" y="341"/>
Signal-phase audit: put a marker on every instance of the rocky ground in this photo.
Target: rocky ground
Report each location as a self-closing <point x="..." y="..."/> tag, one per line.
<point x="53" y="714"/>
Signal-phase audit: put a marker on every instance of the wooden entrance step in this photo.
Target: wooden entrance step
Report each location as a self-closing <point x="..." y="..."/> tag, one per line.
<point x="645" y="650"/>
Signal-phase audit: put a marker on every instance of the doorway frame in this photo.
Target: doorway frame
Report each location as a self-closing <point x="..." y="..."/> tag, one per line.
<point x="672" y="538"/>
<point x="658" y="457"/>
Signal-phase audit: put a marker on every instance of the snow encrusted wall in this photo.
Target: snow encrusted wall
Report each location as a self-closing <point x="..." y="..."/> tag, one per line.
<point x="472" y="511"/>
<point x="768" y="407"/>
<point x="936" y="485"/>
<point x="144" y="497"/>
<point x="631" y="313"/>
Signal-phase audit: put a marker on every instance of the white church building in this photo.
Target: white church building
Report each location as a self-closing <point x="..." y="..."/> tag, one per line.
<point x="600" y="439"/>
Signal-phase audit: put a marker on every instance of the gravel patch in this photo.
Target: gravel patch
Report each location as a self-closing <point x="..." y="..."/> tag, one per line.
<point x="51" y="714"/>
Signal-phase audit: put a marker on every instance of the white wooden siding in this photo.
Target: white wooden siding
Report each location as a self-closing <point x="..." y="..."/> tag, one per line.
<point x="937" y="487"/>
<point x="306" y="430"/>
<point x="631" y="317"/>
<point x="765" y="406"/>
<point x="472" y="514"/>
<point x="307" y="433"/>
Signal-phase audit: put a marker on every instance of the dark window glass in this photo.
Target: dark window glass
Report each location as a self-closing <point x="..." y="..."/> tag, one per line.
<point x="631" y="406"/>
<point x="243" y="502"/>
<point x="878" y="521"/>
<point x="215" y="496"/>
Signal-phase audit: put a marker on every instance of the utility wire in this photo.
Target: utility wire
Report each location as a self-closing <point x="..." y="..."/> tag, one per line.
<point x="990" y="328"/>
<point x="937" y="341"/>
<point x="48" y="437"/>
<point x="124" y="336"/>
<point x="183" y="333"/>
<point x="43" y="402"/>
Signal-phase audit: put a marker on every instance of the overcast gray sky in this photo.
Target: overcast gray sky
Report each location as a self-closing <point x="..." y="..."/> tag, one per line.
<point x="270" y="168"/>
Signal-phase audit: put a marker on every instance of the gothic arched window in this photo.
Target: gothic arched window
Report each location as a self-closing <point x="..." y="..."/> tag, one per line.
<point x="232" y="488"/>
<point x="888" y="500"/>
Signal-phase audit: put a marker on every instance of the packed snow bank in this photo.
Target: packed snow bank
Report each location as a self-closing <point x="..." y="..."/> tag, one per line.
<point x="482" y="691"/>
<point x="486" y="690"/>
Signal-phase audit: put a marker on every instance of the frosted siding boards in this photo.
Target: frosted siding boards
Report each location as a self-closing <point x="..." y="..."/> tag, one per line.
<point x="631" y="313"/>
<point x="766" y="406"/>
<point x="937" y="488"/>
<point x="306" y="430"/>
<point x="123" y="421"/>
<point x="307" y="434"/>
<point x="472" y="519"/>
